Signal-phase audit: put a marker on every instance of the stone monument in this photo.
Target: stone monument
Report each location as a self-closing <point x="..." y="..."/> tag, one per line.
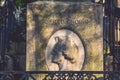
<point x="63" y="36"/>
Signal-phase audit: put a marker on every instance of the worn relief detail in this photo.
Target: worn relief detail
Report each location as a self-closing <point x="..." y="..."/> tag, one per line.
<point x="63" y="53"/>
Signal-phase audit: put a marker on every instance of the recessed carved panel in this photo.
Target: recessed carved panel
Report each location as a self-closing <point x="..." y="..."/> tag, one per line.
<point x="65" y="51"/>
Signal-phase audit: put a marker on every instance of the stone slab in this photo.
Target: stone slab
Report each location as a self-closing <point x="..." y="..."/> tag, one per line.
<point x="47" y="23"/>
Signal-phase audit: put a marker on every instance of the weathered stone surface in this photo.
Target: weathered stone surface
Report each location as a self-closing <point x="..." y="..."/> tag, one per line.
<point x="118" y="3"/>
<point x="46" y="18"/>
<point x="65" y="51"/>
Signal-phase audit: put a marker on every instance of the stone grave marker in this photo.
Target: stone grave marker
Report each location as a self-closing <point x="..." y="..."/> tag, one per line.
<point x="63" y="36"/>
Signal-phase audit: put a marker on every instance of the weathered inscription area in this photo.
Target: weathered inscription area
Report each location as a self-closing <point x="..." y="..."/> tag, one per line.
<point x="63" y="36"/>
<point x="81" y="21"/>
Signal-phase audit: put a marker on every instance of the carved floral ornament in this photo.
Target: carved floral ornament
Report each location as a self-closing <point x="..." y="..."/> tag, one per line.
<point x="65" y="51"/>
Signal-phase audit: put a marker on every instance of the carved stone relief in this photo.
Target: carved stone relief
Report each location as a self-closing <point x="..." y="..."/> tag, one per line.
<point x="51" y="43"/>
<point x="65" y="51"/>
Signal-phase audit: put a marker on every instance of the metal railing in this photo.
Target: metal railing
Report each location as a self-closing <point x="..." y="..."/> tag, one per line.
<point x="60" y="75"/>
<point x="7" y="22"/>
<point x="3" y="26"/>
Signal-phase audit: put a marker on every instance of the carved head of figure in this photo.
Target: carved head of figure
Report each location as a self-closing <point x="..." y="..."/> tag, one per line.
<point x="64" y="53"/>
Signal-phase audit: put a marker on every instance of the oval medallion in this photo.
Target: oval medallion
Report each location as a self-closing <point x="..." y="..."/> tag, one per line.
<point x="65" y="51"/>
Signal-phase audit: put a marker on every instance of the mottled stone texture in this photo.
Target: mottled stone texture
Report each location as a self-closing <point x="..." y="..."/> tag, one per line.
<point x="118" y="3"/>
<point x="45" y="18"/>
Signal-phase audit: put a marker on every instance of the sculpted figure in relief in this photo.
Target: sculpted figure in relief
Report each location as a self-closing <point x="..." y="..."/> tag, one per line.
<point x="64" y="53"/>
